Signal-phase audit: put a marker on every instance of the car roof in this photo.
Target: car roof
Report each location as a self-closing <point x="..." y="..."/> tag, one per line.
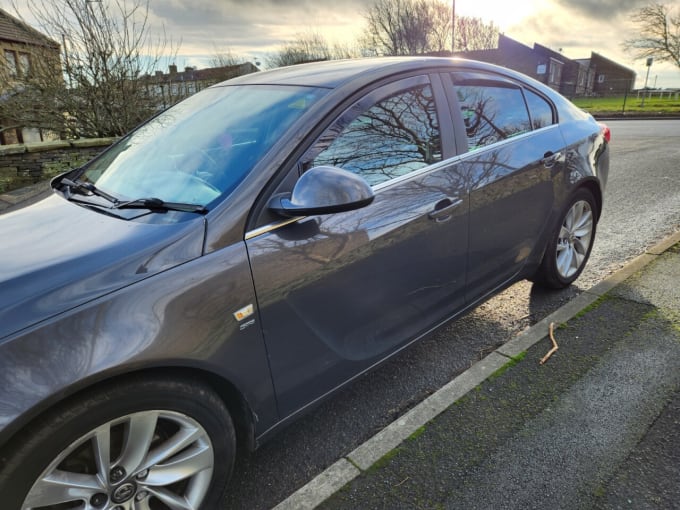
<point x="334" y="73"/>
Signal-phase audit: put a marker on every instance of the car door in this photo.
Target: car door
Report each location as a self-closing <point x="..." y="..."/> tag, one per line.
<point x="512" y="161"/>
<point x="337" y="293"/>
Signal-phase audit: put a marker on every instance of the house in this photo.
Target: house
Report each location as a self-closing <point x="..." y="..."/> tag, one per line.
<point x="580" y="77"/>
<point x="23" y="50"/>
<point x="607" y="76"/>
<point x="173" y="86"/>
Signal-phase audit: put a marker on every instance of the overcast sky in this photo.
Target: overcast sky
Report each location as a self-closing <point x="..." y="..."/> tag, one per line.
<point x="254" y="28"/>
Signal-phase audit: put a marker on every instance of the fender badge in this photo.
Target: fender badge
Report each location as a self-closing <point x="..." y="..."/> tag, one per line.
<point x="244" y="312"/>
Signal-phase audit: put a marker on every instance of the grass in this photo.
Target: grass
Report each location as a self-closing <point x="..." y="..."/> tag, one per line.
<point x="513" y="361"/>
<point x="614" y="105"/>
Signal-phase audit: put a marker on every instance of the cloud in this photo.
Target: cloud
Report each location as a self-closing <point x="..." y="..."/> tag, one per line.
<point x="603" y="10"/>
<point x="260" y="26"/>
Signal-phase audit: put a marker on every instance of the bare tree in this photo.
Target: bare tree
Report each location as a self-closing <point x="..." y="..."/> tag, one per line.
<point x="311" y="47"/>
<point x="417" y="27"/>
<point x="225" y="57"/>
<point x="107" y="47"/>
<point x="474" y="34"/>
<point x="306" y="47"/>
<point x="659" y="33"/>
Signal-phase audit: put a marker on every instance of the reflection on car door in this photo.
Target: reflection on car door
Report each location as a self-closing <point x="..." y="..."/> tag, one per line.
<point x="337" y="293"/>
<point x="511" y="180"/>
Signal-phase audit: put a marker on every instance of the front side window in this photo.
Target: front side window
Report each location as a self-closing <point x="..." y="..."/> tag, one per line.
<point x="492" y="113"/>
<point x="203" y="147"/>
<point x="394" y="137"/>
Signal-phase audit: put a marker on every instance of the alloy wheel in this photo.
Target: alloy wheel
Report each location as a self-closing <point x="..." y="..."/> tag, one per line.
<point x="574" y="239"/>
<point x="142" y="461"/>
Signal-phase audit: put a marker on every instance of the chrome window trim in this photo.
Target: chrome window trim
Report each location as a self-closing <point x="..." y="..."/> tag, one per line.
<point x="265" y="229"/>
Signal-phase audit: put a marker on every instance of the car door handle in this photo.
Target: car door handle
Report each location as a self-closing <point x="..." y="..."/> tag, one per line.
<point x="443" y="210"/>
<point x="550" y="158"/>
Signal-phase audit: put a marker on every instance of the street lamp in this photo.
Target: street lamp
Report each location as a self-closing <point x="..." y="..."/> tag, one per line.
<point x="453" y="26"/>
<point x="644" y="92"/>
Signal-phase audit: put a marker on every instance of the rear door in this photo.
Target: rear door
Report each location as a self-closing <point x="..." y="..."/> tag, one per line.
<point x="338" y="293"/>
<point x="511" y="164"/>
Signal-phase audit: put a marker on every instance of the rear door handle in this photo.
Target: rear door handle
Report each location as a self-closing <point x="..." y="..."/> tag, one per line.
<point x="443" y="210"/>
<point x="550" y="158"/>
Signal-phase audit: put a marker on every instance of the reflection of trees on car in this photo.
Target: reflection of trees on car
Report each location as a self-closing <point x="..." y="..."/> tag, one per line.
<point x="396" y="136"/>
<point x="492" y="114"/>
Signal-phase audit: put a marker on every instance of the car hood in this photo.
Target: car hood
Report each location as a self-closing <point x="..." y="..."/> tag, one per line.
<point x="56" y="255"/>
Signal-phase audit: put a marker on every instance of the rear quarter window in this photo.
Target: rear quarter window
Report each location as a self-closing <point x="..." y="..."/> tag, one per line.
<point x="540" y="110"/>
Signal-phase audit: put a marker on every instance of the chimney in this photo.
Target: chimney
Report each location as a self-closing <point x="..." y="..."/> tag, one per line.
<point x="173" y="69"/>
<point x="159" y="74"/>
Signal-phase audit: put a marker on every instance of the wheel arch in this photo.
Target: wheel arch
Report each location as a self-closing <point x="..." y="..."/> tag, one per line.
<point x="240" y="410"/>
<point x="594" y="187"/>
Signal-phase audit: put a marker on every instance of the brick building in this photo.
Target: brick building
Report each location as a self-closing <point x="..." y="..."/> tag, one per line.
<point x="173" y="86"/>
<point x="596" y="75"/>
<point x="23" y="50"/>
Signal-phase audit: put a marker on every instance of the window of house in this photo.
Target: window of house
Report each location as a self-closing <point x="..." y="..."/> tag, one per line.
<point x="395" y="136"/>
<point x="540" y="110"/>
<point x="492" y="113"/>
<point x="24" y="64"/>
<point x="11" y="60"/>
<point x="600" y="78"/>
<point x="555" y="72"/>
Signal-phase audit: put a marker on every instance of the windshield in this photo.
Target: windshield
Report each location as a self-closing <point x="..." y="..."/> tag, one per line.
<point x="201" y="148"/>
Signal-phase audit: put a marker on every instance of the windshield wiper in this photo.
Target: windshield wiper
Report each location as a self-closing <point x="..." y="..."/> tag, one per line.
<point x="153" y="204"/>
<point x="156" y="204"/>
<point x="88" y="187"/>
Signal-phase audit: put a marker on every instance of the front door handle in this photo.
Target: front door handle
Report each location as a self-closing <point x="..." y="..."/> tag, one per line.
<point x="443" y="210"/>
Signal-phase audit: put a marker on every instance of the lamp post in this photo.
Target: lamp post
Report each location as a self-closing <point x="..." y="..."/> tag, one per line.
<point x="453" y="26"/>
<point x="644" y="92"/>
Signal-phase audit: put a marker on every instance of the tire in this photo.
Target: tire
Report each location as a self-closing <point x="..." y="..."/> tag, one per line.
<point x="570" y="243"/>
<point x="160" y="440"/>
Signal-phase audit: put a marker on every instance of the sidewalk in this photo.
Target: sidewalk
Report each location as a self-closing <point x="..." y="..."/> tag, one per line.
<point x="596" y="426"/>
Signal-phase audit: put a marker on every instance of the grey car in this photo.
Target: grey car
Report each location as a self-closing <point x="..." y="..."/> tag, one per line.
<point x="241" y="256"/>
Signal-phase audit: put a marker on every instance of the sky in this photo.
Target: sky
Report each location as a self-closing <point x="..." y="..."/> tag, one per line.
<point x="254" y="28"/>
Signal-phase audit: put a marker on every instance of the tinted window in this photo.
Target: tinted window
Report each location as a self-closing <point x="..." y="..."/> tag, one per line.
<point x="394" y="137"/>
<point x="540" y="110"/>
<point x="492" y="113"/>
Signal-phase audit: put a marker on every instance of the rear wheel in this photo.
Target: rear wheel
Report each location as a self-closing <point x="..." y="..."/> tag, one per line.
<point x="570" y="244"/>
<point x="154" y="444"/>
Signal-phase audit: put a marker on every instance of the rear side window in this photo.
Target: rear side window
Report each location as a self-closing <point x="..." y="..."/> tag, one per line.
<point x="540" y="110"/>
<point x="492" y="113"/>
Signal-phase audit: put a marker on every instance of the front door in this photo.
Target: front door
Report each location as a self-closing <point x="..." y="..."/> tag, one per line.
<point x="338" y="293"/>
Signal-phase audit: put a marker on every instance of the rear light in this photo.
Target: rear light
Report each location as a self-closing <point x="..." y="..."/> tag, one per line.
<point x="606" y="132"/>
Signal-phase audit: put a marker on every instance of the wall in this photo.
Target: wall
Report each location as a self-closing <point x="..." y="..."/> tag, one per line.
<point x="24" y="164"/>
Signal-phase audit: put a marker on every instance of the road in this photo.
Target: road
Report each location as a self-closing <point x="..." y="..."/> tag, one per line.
<point x="642" y="205"/>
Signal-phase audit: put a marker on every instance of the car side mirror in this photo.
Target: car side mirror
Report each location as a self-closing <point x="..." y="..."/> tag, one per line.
<point x="323" y="190"/>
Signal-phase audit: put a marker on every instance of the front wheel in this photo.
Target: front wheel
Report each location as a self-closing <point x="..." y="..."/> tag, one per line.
<point x="570" y="243"/>
<point x="138" y="445"/>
